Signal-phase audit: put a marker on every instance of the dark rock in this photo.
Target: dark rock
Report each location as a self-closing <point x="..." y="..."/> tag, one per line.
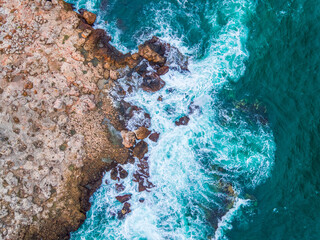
<point x="142" y="69"/>
<point x="154" y="51"/>
<point x="114" y="174"/>
<point x="152" y="83"/>
<point x="89" y="17"/>
<point x="160" y="99"/>
<point x="140" y="149"/>
<point x="123" y="173"/>
<point x="163" y="70"/>
<point x="124" y="198"/>
<point x="141" y="200"/>
<point x="182" y="121"/>
<point x="154" y="137"/>
<point x="125" y="210"/>
<point x="119" y="187"/>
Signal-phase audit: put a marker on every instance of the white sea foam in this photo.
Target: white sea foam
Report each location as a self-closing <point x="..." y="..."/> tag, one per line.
<point x="179" y="164"/>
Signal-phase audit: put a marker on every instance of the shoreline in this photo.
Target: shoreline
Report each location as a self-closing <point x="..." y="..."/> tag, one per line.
<point x="60" y="127"/>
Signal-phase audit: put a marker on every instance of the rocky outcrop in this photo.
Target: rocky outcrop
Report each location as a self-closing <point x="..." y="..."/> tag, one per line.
<point x="61" y="129"/>
<point x="54" y="145"/>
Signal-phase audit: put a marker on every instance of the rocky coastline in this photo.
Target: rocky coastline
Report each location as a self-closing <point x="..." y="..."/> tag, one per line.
<point x="63" y="118"/>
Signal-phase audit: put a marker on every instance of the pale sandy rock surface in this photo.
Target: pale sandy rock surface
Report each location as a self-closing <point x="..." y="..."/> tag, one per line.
<point x="53" y="105"/>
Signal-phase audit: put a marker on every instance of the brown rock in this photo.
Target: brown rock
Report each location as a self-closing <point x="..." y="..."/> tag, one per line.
<point x="154" y="137"/>
<point x="140" y="149"/>
<point x="163" y="70"/>
<point x="119" y="187"/>
<point x="125" y="210"/>
<point x="152" y="83"/>
<point x="123" y="173"/>
<point x="114" y="75"/>
<point x="142" y="132"/>
<point x="89" y="17"/>
<point x="154" y="51"/>
<point x="124" y="198"/>
<point x="182" y="121"/>
<point x="129" y="138"/>
<point x="146" y="52"/>
<point x="135" y="56"/>
<point x="114" y="174"/>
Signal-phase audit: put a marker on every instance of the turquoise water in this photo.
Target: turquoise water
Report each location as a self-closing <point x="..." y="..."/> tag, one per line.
<point x="254" y="74"/>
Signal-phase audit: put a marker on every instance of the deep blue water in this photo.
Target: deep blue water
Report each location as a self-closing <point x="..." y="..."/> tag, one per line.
<point x="254" y="72"/>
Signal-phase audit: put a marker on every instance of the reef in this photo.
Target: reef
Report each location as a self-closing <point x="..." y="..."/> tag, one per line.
<point x="63" y="120"/>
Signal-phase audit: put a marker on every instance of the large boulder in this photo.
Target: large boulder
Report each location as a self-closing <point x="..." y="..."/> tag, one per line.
<point x="154" y="51"/>
<point x="129" y="138"/>
<point x="152" y="83"/>
<point x="89" y="17"/>
<point x="142" y="132"/>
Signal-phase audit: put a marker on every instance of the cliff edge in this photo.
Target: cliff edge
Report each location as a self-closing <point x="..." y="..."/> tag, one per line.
<point x="54" y="103"/>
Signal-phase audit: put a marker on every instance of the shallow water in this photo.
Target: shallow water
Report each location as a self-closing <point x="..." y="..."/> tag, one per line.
<point x="253" y="74"/>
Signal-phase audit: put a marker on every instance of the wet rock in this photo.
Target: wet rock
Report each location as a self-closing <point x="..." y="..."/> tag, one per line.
<point x="160" y="99"/>
<point x="182" y="121"/>
<point x="124" y="198"/>
<point x="125" y="210"/>
<point x="142" y="132"/>
<point x="153" y="50"/>
<point x="119" y="187"/>
<point x="154" y="137"/>
<point x="142" y="69"/>
<point x="141" y="200"/>
<point x="114" y="174"/>
<point x="152" y="83"/>
<point x="129" y="138"/>
<point x="163" y="70"/>
<point x="89" y="17"/>
<point x="122" y="173"/>
<point x="140" y="149"/>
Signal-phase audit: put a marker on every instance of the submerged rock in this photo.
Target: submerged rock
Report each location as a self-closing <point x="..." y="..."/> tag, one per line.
<point x="182" y="121"/>
<point x="89" y="17"/>
<point x="119" y="187"/>
<point x="142" y="132"/>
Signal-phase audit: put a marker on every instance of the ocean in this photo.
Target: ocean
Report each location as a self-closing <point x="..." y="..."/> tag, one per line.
<point x="247" y="165"/>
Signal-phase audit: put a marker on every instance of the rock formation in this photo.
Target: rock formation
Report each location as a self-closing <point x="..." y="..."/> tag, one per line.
<point x="59" y="127"/>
